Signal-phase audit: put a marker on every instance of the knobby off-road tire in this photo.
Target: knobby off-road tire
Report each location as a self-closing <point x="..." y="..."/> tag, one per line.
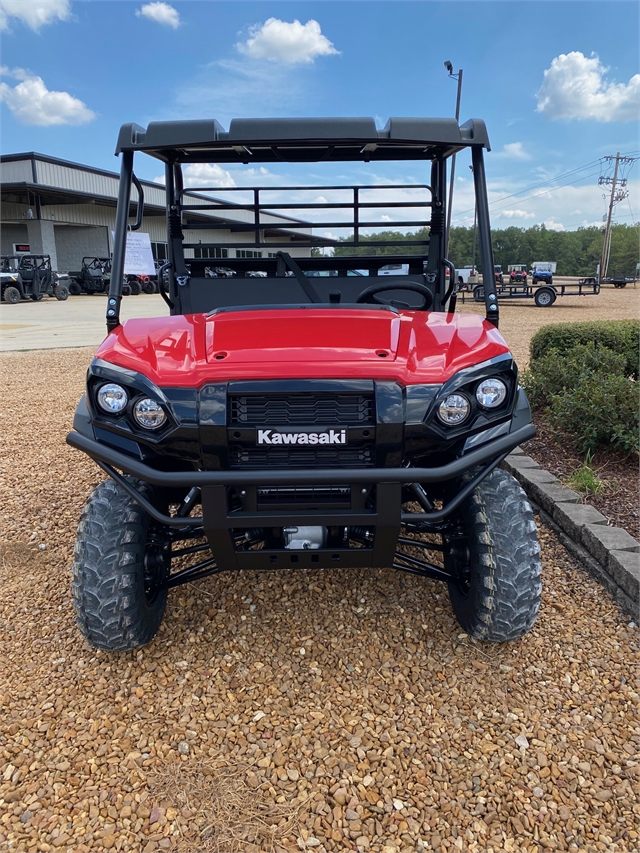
<point x="75" y="289"/>
<point x="501" y="596"/>
<point x="116" y="551"/>
<point x="11" y="295"/>
<point x="61" y="292"/>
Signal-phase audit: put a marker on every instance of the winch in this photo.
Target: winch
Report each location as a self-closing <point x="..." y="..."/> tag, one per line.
<point x="304" y="538"/>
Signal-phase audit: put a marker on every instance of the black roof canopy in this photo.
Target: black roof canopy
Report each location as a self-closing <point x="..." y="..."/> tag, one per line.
<point x="268" y="140"/>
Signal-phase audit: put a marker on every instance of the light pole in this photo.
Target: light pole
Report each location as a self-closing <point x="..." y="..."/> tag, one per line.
<point x="457" y="77"/>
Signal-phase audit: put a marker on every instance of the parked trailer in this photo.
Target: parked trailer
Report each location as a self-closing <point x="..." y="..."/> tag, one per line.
<point x="544" y="296"/>
<point x="619" y="280"/>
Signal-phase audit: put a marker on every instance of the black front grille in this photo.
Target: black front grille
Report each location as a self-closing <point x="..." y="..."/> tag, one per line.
<point x="243" y="456"/>
<point x="301" y="410"/>
<point x="317" y="495"/>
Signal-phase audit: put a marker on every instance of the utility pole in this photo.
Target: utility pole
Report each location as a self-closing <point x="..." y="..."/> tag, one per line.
<point x="618" y="193"/>
<point x="457" y="77"/>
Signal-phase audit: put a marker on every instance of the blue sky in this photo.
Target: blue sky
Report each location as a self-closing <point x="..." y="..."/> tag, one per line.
<point x="556" y="82"/>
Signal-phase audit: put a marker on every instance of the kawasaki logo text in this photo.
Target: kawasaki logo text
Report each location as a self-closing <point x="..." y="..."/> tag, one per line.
<point x="332" y="436"/>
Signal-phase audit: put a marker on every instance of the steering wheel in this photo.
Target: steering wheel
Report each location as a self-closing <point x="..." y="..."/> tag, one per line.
<point x="368" y="295"/>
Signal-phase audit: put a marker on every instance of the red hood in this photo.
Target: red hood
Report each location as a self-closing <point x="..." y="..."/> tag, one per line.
<point x="413" y="348"/>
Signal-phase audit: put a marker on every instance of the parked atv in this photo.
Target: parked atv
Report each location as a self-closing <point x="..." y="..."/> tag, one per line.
<point x="32" y="278"/>
<point x="94" y="277"/>
<point x="301" y="421"/>
<point x="518" y="274"/>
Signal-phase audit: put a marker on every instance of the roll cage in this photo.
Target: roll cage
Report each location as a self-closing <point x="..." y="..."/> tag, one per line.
<point x="271" y="225"/>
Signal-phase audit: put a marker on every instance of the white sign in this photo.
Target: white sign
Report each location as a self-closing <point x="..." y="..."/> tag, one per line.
<point x="139" y="257"/>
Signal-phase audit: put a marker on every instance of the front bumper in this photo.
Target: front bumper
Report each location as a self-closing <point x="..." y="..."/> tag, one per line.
<point x="218" y="521"/>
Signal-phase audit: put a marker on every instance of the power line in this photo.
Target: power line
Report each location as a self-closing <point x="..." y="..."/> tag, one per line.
<point x="542" y="184"/>
<point x="536" y="195"/>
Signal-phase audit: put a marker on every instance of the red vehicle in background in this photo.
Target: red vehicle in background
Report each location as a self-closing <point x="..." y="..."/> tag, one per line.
<point x="518" y="274"/>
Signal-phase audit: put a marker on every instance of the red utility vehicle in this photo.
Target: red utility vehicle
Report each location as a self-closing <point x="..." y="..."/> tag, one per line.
<point x="301" y="419"/>
<point x="518" y="274"/>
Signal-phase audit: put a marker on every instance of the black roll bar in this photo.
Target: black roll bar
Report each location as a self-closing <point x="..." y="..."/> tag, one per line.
<point x="120" y="242"/>
<point x="486" y="249"/>
<point x="140" y="207"/>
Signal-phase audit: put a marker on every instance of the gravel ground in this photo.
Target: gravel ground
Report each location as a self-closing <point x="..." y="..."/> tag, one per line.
<point x="290" y="711"/>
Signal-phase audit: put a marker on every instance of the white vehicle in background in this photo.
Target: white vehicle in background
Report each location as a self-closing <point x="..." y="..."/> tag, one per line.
<point x="466" y="278"/>
<point x="394" y="269"/>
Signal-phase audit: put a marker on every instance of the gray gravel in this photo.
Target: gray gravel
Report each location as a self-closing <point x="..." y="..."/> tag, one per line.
<point x="290" y="711"/>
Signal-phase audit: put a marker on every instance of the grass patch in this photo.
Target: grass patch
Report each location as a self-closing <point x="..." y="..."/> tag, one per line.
<point x="585" y="480"/>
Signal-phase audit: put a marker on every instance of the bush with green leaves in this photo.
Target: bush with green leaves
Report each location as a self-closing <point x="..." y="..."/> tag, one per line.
<point x="620" y="336"/>
<point x="600" y="412"/>
<point x="586" y="394"/>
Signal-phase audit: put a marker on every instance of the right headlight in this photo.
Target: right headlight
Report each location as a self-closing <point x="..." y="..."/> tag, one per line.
<point x="112" y="398"/>
<point x="491" y="393"/>
<point x="454" y="409"/>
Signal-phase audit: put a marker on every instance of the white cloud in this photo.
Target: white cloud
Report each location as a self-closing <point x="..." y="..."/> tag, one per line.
<point x="252" y="173"/>
<point x="574" y="87"/>
<point x="290" y="44"/>
<point x="552" y="225"/>
<point x="517" y="214"/>
<point x="161" y="13"/>
<point x="514" y="151"/>
<point x="203" y="175"/>
<point x="33" y="13"/>
<point x="32" y="103"/>
<point x="231" y="88"/>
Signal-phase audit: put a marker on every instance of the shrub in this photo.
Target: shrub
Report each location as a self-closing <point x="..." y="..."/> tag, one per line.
<point x="600" y="411"/>
<point x="620" y="336"/>
<point x="556" y="371"/>
<point x="586" y="395"/>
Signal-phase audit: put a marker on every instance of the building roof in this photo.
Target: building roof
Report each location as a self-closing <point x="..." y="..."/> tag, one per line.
<point x="57" y="181"/>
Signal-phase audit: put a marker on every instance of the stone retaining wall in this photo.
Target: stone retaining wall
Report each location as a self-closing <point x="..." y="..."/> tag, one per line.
<point x="609" y="553"/>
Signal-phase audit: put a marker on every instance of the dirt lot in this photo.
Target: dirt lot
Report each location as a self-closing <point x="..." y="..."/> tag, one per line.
<point x="520" y="319"/>
<point x="322" y="710"/>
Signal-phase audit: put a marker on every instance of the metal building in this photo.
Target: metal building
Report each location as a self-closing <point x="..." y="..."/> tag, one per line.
<point x="67" y="210"/>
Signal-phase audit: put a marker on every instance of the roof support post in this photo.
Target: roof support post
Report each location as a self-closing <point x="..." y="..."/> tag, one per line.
<point x="437" y="236"/>
<point x="120" y="242"/>
<point x="486" y="248"/>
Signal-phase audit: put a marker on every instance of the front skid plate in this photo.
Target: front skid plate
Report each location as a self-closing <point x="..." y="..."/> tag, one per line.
<point x="218" y="524"/>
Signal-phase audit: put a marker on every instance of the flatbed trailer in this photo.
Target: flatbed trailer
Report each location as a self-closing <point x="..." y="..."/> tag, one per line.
<point x="543" y="295"/>
<point x="619" y="281"/>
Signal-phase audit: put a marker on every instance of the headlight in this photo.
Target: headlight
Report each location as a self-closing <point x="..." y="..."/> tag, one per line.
<point x="491" y="393"/>
<point x="112" y="398"/>
<point x="149" y="414"/>
<point x="454" y="409"/>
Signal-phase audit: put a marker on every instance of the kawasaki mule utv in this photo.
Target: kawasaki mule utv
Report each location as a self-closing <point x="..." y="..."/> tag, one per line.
<point x="300" y="420"/>
<point x="32" y="278"/>
<point x="94" y="277"/>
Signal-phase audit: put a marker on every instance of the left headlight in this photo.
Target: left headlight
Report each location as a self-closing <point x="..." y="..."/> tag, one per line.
<point x="149" y="413"/>
<point x="491" y="393"/>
